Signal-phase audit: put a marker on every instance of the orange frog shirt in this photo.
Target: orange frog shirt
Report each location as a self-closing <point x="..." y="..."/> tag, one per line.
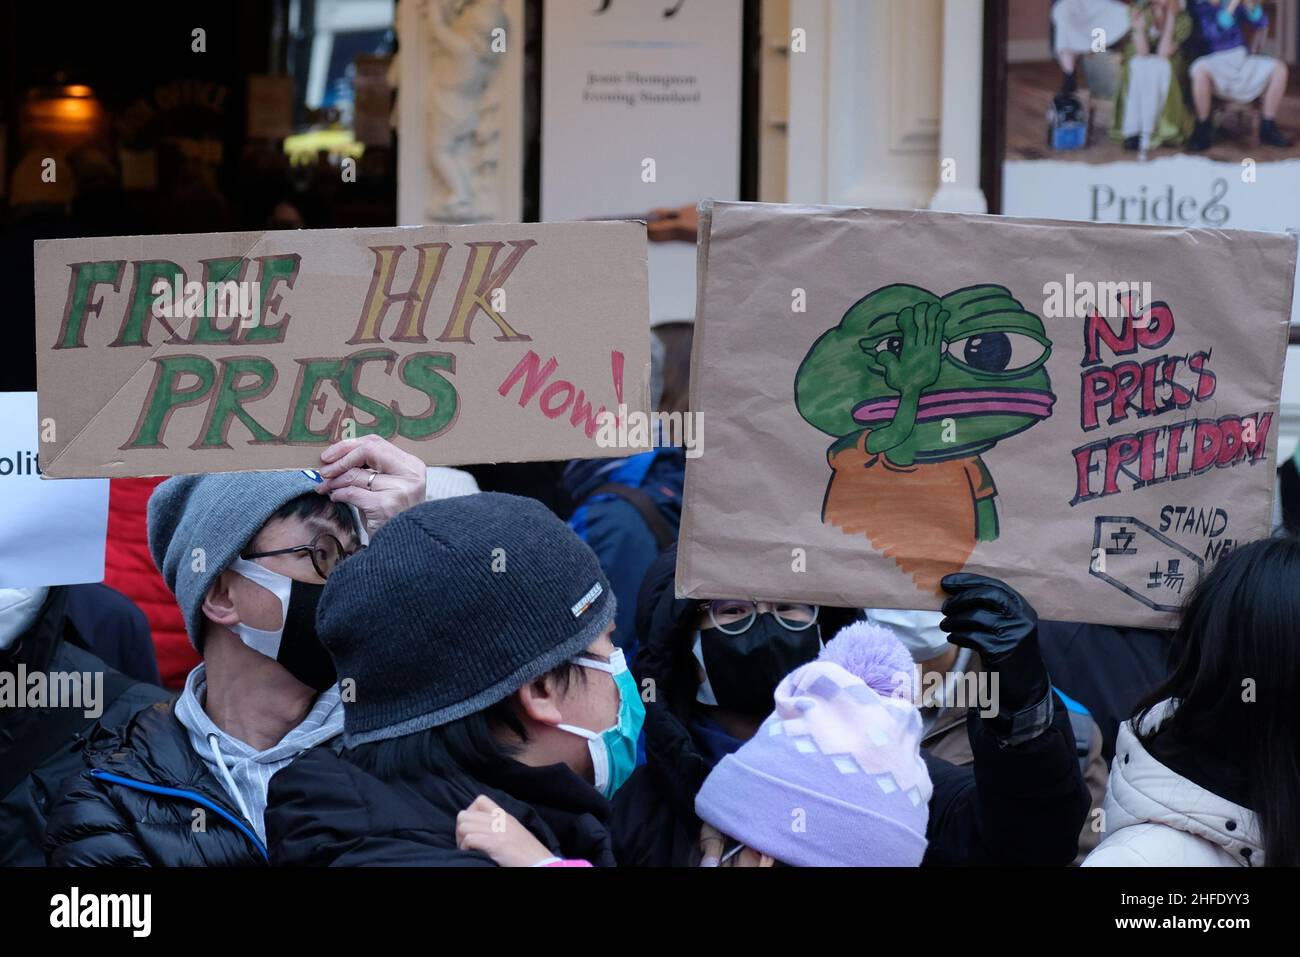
<point x="921" y="515"/>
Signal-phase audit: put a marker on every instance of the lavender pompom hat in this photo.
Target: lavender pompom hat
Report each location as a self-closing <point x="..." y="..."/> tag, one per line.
<point x="834" y="776"/>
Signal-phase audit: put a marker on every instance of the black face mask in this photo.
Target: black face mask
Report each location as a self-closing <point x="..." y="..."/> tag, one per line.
<point x="301" y="652"/>
<point x="745" y="669"/>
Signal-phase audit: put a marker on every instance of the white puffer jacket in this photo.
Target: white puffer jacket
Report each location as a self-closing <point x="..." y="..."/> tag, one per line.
<point x="1156" y="818"/>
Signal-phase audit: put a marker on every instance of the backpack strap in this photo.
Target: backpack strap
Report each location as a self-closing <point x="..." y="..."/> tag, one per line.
<point x="644" y="504"/>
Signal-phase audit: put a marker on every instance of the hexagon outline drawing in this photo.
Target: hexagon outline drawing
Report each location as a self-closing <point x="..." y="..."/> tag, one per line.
<point x="1101" y="520"/>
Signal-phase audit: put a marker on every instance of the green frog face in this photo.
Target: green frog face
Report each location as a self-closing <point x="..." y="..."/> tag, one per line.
<point x="932" y="377"/>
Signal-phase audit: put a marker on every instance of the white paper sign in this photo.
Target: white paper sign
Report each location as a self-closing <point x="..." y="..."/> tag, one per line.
<point x="51" y="532"/>
<point x="641" y="110"/>
<point x="1176" y="190"/>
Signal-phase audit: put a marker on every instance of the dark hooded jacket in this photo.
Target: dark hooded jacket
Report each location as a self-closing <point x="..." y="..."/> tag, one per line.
<point x="40" y="748"/>
<point x="324" y="810"/>
<point x="1013" y="805"/>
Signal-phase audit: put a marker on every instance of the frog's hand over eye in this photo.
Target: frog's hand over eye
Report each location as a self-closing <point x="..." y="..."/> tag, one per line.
<point x="910" y="371"/>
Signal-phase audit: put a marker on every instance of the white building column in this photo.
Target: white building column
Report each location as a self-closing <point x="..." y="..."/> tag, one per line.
<point x="962" y="64"/>
<point x="864" y="102"/>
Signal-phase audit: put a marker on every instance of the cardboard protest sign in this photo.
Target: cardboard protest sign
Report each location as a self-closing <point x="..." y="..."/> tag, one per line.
<point x="51" y="533"/>
<point x="236" y="351"/>
<point x="1086" y="411"/>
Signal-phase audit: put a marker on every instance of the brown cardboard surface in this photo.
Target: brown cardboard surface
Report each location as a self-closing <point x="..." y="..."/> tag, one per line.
<point x="999" y="472"/>
<point x="463" y="344"/>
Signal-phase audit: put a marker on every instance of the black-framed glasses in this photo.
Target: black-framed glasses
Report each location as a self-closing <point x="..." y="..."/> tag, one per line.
<point x="735" y="616"/>
<point x="325" y="551"/>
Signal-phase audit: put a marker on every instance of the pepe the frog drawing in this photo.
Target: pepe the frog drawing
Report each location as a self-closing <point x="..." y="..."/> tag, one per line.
<point x="916" y="387"/>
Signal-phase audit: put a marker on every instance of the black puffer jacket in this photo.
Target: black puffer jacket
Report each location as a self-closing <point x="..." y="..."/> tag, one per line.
<point x="323" y="811"/>
<point x="1018" y="805"/>
<point x="146" y="799"/>
<point x="40" y="748"/>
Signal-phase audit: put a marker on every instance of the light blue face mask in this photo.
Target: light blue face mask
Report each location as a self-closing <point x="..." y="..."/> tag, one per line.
<point x="613" y="751"/>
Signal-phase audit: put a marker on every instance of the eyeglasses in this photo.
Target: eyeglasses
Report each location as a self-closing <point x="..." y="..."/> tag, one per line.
<point x="734" y="617"/>
<point x="325" y="551"/>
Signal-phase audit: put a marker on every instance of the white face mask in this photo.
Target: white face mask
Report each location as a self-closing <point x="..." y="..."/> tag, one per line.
<point x="18" y="610"/>
<point x="705" y="695"/>
<point x="261" y="640"/>
<point x="917" y="630"/>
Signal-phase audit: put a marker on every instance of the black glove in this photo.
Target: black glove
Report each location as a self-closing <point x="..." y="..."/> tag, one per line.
<point x="991" y="617"/>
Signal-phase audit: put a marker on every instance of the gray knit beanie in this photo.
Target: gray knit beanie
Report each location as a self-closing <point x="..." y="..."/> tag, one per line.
<point x="219" y="514"/>
<point x="455" y="605"/>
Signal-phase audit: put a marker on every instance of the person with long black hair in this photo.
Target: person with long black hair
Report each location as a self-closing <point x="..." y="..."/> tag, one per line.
<point x="1207" y="773"/>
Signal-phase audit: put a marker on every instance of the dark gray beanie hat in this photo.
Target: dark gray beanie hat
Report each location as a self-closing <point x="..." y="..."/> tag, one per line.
<point x="455" y="605"/>
<point x="219" y="514"/>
